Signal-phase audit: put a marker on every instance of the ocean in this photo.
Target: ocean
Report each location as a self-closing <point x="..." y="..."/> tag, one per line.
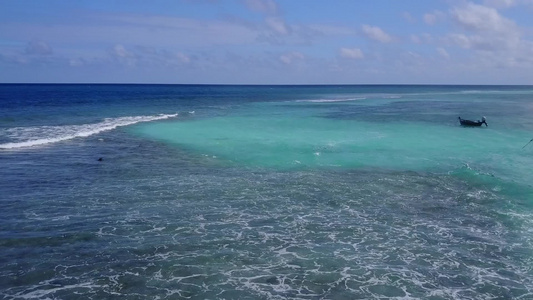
<point x="265" y="192"/>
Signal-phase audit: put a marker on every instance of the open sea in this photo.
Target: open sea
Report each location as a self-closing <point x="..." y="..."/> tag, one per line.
<point x="265" y="192"/>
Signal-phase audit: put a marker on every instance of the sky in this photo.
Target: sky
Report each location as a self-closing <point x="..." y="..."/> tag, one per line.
<point x="267" y="41"/>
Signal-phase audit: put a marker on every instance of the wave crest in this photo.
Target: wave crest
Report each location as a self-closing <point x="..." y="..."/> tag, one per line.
<point x="331" y="100"/>
<point x="41" y="135"/>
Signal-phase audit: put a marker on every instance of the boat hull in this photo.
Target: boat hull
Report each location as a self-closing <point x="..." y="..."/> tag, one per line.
<point x="469" y="123"/>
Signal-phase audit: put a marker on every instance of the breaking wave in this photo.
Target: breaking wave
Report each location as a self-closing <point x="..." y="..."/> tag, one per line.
<point x="41" y="135"/>
<point x="331" y="100"/>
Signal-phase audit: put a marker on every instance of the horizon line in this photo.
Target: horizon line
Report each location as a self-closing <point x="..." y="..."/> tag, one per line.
<point x="263" y="84"/>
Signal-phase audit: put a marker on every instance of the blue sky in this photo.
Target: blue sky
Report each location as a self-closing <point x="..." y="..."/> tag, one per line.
<point x="267" y="41"/>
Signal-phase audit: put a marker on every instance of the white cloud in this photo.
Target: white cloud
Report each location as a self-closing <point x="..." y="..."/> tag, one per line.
<point x="483" y="43"/>
<point x="75" y="62"/>
<point x="489" y="31"/>
<point x="268" y="7"/>
<point x="443" y="53"/>
<point x="124" y="56"/>
<point x="330" y="30"/>
<point x="376" y="33"/>
<point x="142" y="56"/>
<point x="353" y="53"/>
<point x="430" y="19"/>
<point x="183" y="58"/>
<point x="290" y="58"/>
<point x="496" y="40"/>
<point x="482" y="18"/>
<point x="272" y="19"/>
<point x="199" y="47"/>
<point x="132" y="29"/>
<point x="434" y="17"/>
<point x="500" y="3"/>
<point x="14" y="58"/>
<point x="408" y="17"/>
<point x="38" y="48"/>
<point x="424" y="38"/>
<point x="461" y="40"/>
<point x="278" y="25"/>
<point x="120" y="51"/>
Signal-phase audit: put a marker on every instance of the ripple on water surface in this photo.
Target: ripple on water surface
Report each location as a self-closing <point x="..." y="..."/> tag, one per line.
<point x="265" y="234"/>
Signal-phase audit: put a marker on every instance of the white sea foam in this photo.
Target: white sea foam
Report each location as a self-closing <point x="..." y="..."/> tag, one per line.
<point x="520" y="92"/>
<point x="41" y="135"/>
<point x="332" y="100"/>
<point x="43" y="293"/>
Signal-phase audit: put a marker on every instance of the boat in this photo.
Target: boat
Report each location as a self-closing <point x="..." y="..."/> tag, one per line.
<point x="473" y="123"/>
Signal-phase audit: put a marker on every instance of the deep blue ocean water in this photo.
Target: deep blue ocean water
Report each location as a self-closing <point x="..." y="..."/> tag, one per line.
<point x="265" y="192"/>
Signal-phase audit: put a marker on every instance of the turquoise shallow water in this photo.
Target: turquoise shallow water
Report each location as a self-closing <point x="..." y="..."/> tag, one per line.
<point x="316" y="134"/>
<point x="260" y="192"/>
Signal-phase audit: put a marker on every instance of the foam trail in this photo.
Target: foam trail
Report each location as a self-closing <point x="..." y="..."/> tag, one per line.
<point x="54" y="134"/>
<point x="331" y="100"/>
